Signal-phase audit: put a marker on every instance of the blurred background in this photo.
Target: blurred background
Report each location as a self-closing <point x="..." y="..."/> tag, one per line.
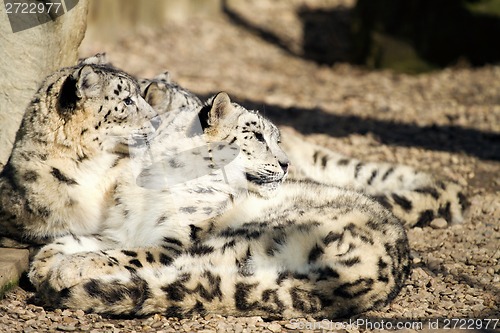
<point x="409" y="36"/>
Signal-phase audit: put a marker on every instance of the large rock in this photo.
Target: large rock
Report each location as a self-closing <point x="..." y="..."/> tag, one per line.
<point x="13" y="262"/>
<point x="28" y="56"/>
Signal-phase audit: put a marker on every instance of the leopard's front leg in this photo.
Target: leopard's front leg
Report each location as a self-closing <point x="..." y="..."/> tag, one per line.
<point x="70" y="260"/>
<point x="51" y="255"/>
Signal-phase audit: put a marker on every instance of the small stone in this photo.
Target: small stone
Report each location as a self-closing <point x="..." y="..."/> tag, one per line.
<point x="79" y="313"/>
<point x="54" y="318"/>
<point x="238" y="328"/>
<point x="30" y="322"/>
<point x="439" y="223"/>
<point x="447" y="305"/>
<point x="397" y="307"/>
<point x="66" y="313"/>
<point x="26" y="316"/>
<point x="274" y="327"/>
<point x="213" y="317"/>
<point x="157" y="324"/>
<point x="66" y="328"/>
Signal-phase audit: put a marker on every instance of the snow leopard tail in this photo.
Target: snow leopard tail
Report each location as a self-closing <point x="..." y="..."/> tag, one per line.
<point x="420" y="206"/>
<point x="415" y="197"/>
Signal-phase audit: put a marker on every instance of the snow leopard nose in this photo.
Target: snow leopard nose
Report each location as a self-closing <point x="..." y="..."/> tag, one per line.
<point x="284" y="166"/>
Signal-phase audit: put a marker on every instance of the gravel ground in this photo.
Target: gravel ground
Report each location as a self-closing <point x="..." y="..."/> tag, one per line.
<point x="445" y="122"/>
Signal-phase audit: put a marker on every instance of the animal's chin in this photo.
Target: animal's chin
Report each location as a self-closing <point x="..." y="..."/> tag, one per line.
<point x="265" y="187"/>
<point x="265" y="181"/>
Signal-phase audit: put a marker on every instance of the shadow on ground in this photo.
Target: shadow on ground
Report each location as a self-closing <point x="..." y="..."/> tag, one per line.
<point x="456" y="139"/>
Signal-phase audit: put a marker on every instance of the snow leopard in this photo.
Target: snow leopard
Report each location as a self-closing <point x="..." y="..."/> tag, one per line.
<point x="236" y="240"/>
<point x="74" y="136"/>
<point x="414" y="196"/>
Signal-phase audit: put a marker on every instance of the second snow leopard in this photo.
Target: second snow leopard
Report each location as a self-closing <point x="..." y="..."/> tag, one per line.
<point x="414" y="196"/>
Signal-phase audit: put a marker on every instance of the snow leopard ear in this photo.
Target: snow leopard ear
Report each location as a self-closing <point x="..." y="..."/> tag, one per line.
<point x="165" y="76"/>
<point x="218" y="109"/>
<point x="154" y="93"/>
<point x="67" y="97"/>
<point x="221" y="107"/>
<point x="88" y="82"/>
<point x="84" y="82"/>
<point x="98" y="59"/>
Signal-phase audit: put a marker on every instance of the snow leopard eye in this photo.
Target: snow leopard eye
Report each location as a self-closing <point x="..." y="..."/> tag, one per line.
<point x="128" y="101"/>
<point x="259" y="136"/>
